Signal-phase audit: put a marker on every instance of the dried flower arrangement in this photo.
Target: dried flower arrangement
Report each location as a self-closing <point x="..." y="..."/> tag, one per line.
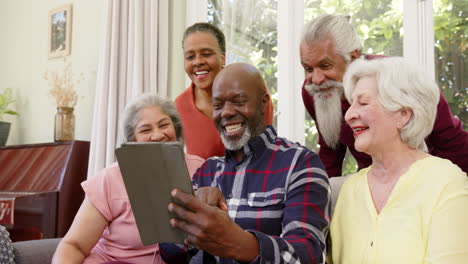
<point x="63" y="85"/>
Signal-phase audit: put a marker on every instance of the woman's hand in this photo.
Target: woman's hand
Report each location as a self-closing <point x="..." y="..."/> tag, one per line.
<point x="212" y="196"/>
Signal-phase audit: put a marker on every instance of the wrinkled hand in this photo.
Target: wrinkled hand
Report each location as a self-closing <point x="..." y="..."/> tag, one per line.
<point x="212" y="196"/>
<point x="209" y="228"/>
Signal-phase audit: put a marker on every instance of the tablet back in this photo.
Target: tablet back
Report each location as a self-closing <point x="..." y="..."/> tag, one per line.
<point x="150" y="171"/>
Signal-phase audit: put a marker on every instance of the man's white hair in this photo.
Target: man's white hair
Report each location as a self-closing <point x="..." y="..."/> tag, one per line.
<point x="338" y="28"/>
<point x="400" y="85"/>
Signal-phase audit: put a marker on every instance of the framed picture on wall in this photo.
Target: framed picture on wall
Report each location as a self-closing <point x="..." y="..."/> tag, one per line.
<point x="60" y="20"/>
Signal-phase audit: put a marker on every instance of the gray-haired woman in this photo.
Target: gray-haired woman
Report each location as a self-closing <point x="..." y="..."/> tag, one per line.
<point x="104" y="228"/>
<point x="408" y="206"/>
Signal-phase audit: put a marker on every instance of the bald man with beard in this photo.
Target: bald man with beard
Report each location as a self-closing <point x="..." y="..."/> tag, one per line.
<point x="267" y="200"/>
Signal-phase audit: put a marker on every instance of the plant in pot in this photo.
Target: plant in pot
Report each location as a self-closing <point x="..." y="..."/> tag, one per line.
<point x="6" y="98"/>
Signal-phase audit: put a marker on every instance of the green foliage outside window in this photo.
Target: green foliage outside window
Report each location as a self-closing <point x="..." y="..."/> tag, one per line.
<point x="251" y="34"/>
<point x="451" y="57"/>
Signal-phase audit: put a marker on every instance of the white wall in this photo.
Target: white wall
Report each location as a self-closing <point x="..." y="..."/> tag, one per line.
<point x="24" y="58"/>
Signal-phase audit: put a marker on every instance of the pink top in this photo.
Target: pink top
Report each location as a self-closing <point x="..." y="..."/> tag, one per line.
<point x="121" y="239"/>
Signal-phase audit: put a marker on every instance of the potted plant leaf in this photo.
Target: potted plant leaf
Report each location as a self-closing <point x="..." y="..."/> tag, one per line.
<point x="6" y="98"/>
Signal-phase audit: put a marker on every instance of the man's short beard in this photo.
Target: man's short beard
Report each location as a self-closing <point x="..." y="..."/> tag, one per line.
<point x="328" y="110"/>
<point x="237" y="144"/>
<point x="253" y="128"/>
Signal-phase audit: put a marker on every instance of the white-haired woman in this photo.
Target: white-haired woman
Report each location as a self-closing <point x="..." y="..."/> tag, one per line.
<point x="408" y="206"/>
<point x="104" y="229"/>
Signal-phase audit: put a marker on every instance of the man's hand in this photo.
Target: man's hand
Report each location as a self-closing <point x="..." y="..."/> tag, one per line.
<point x="210" y="229"/>
<point x="212" y="196"/>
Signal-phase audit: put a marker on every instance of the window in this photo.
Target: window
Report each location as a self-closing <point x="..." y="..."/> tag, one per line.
<point x="251" y="35"/>
<point x="450" y="54"/>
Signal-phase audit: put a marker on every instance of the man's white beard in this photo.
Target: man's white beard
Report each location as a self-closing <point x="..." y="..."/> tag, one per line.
<point x="328" y="110"/>
<point x="253" y="128"/>
<point x="236" y="145"/>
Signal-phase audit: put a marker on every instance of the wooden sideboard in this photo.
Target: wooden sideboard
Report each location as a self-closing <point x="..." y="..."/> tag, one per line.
<point x="41" y="182"/>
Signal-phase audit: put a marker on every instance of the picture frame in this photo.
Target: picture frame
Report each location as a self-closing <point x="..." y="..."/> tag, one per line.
<point x="60" y="26"/>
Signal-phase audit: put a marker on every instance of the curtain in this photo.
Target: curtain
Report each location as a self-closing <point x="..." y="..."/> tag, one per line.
<point x="133" y="60"/>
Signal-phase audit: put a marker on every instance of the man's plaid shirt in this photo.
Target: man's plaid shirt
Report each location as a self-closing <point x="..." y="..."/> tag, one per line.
<point x="279" y="192"/>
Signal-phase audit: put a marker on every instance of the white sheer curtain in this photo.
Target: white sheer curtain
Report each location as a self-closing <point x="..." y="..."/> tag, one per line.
<point x="133" y="60"/>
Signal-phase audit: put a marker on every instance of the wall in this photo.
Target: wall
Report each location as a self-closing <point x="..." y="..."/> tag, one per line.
<point x="24" y="58"/>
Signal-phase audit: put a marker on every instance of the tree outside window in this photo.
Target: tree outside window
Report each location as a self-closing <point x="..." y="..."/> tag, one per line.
<point x="450" y="54"/>
<point x="251" y="35"/>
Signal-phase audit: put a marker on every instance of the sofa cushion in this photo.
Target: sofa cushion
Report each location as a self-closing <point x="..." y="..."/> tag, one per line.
<point x="335" y="186"/>
<point x="35" y="251"/>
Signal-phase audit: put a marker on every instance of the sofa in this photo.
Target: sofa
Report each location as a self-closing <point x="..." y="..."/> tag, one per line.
<point x="35" y="251"/>
<point x="26" y="252"/>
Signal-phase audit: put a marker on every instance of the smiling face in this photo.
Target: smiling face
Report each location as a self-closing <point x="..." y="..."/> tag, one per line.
<point x="374" y="128"/>
<point x="323" y="66"/>
<point x="203" y="59"/>
<point x="153" y="125"/>
<point x="239" y="105"/>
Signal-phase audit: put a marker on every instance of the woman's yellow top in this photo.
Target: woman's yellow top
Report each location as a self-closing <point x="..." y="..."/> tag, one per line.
<point x="425" y="219"/>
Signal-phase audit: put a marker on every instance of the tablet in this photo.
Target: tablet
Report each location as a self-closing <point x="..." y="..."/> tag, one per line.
<point x="150" y="170"/>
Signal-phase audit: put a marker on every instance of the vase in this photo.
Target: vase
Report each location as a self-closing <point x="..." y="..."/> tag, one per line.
<point x="64" y="124"/>
<point x="4" y="131"/>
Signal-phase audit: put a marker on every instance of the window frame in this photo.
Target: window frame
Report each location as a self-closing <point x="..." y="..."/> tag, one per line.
<point x="418" y="39"/>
